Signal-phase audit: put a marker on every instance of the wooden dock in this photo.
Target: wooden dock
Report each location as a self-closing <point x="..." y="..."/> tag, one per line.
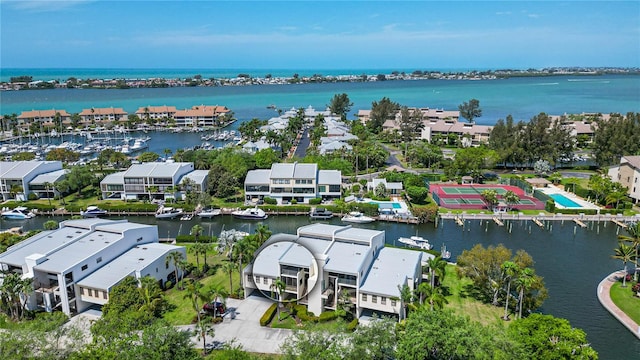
<point x="537" y="222"/>
<point x="580" y="223"/>
<point x="621" y="224"/>
<point x="498" y="221"/>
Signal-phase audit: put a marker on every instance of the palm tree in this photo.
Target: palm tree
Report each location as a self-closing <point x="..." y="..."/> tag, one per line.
<point x="195" y="292"/>
<point x="262" y="234"/>
<point x="510" y="198"/>
<point x="526" y="278"/>
<point x="50" y="225"/>
<point x="242" y="249"/>
<point x="229" y="268"/>
<point x="47" y="186"/>
<point x="510" y="269"/>
<point x="217" y="293"/>
<point x="151" y="295"/>
<point x="406" y="296"/>
<point x="205" y="249"/>
<point x="437" y="268"/>
<point x="634" y="238"/>
<point x="422" y="290"/>
<point x="176" y="258"/>
<point x="625" y="253"/>
<point x="167" y="152"/>
<point x="196" y="231"/>
<point x="615" y="197"/>
<point x="196" y="250"/>
<point x="490" y="197"/>
<point x="278" y="285"/>
<point x="436" y="298"/>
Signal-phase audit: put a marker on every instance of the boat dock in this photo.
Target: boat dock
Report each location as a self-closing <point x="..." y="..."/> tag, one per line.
<point x="498" y="221"/>
<point x="579" y="219"/>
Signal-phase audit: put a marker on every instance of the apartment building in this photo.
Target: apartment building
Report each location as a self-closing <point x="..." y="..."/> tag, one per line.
<point x="18" y="177"/>
<point x="627" y="173"/>
<point x="45" y="117"/>
<point x="102" y="115"/>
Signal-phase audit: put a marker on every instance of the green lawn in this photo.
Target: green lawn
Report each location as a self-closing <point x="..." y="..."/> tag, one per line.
<point x="461" y="303"/>
<point x="183" y="312"/>
<point x="626" y="301"/>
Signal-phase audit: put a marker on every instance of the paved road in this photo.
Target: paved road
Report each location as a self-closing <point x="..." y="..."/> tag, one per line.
<point x="301" y="149"/>
<point x="245" y="329"/>
<point x="604" y="297"/>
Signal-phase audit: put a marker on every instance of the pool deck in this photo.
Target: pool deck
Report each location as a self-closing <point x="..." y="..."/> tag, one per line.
<point x="584" y="204"/>
<point x="604" y="296"/>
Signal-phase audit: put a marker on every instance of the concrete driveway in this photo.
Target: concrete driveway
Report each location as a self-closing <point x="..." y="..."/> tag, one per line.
<point x="245" y="329"/>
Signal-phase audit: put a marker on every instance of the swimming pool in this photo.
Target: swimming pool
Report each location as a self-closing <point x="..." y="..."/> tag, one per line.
<point x="386" y="204"/>
<point x="564" y="201"/>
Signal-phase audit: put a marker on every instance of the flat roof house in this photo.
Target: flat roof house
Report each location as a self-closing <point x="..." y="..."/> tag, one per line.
<point x="345" y="260"/>
<point x="18" y="175"/>
<point x="59" y="260"/>
<point x="155" y="180"/>
<point x="289" y="181"/>
<point x="628" y="174"/>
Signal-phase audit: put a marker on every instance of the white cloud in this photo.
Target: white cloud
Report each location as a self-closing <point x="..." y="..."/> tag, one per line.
<point x="533" y="16"/>
<point x="500" y="13"/>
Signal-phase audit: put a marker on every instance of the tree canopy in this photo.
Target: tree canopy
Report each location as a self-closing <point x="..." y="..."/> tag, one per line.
<point x="470" y="110"/>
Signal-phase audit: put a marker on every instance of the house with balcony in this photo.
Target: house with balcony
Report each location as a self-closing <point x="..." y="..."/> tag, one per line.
<point x="45" y="117"/>
<point x="153" y="180"/>
<point x="321" y="263"/>
<point x="59" y="261"/>
<point x="390" y="188"/>
<point x="16" y="177"/>
<point x="200" y="115"/>
<point x="627" y="173"/>
<point x="292" y="181"/>
<point x="156" y="112"/>
<point x="102" y="116"/>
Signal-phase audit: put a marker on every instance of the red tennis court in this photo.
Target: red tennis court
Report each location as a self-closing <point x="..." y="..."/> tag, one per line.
<point x="456" y="196"/>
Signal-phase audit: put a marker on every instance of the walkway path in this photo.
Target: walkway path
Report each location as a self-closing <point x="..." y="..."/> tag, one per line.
<point x="604" y="297"/>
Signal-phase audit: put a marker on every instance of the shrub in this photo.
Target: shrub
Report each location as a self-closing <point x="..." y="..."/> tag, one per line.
<point x="191" y="238"/>
<point x="417" y="194"/>
<point x="298" y="309"/>
<point x="270" y="200"/>
<point x="268" y="315"/>
<point x="355" y="188"/>
<point x="294" y="201"/>
<point x="304" y="315"/>
<point x="550" y="205"/>
<point x="352" y="325"/>
<point x="32" y="196"/>
<point x="315" y="201"/>
<point x="168" y="285"/>
<point x="327" y="316"/>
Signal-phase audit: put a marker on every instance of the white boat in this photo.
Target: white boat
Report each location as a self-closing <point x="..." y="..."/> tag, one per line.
<point x="186" y="217"/>
<point x="19" y="213"/>
<point x="139" y="144"/>
<point x="93" y="211"/>
<point x="357" y="217"/>
<point x="320" y="214"/>
<point x="209" y="213"/>
<point x="416" y="241"/>
<point x="168" y="213"/>
<point x="444" y="253"/>
<point x="250" y="214"/>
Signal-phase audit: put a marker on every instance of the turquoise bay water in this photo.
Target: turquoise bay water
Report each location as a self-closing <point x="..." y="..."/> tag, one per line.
<point x="521" y="97"/>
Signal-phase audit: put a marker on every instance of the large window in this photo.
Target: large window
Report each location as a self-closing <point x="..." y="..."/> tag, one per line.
<point x="334" y="188"/>
<point x="133" y="181"/>
<point x="280" y="181"/>
<point x="262" y="188"/>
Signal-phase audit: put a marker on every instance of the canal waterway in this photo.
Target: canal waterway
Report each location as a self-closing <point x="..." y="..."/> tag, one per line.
<point x="571" y="259"/>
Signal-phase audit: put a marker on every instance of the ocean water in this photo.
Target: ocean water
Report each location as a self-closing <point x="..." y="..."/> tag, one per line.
<point x="520" y="97"/>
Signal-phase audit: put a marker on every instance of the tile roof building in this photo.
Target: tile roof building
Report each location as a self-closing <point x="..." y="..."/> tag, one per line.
<point x="102" y="115"/>
<point x="46" y="117"/>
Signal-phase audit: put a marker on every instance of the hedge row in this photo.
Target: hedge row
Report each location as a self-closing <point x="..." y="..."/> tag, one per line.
<point x="327" y="316"/>
<point x="302" y="314"/>
<point x="269" y="314"/>
<point x="191" y="238"/>
<point x="352" y="325"/>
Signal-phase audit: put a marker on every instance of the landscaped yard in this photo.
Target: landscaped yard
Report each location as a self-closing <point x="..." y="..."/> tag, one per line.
<point x="463" y="304"/>
<point x="624" y="298"/>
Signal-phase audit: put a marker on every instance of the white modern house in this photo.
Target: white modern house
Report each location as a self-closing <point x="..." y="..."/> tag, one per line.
<point x="75" y="266"/>
<point x="627" y="173"/>
<point x="288" y="181"/>
<point x="154" y="180"/>
<point x="391" y="188"/>
<point x="344" y="260"/>
<point x="17" y="175"/>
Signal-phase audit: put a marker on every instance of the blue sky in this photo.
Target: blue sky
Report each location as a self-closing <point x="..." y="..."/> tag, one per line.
<point x="319" y="34"/>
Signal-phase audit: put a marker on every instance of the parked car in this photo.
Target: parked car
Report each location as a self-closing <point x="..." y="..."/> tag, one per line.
<point x="214" y="306"/>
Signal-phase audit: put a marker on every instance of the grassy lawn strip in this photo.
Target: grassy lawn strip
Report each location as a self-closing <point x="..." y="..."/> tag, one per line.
<point x="462" y="304"/>
<point x="624" y="299"/>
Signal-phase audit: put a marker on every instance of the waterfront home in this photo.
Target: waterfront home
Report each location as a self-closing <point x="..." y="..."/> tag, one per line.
<point x="16" y="177"/>
<point x="627" y="173"/>
<point x="153" y="180"/>
<point x="156" y="112"/>
<point x="253" y="147"/>
<point x="293" y="181"/>
<point x="390" y="188"/>
<point x="322" y="262"/>
<point x="329" y="146"/>
<point x="46" y="118"/>
<point x="200" y="115"/>
<point x="102" y="115"/>
<point x="67" y="264"/>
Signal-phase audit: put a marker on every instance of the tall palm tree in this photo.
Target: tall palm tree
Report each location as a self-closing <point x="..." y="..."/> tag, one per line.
<point x="195" y="292"/>
<point x="422" y="290"/>
<point x="406" y="296"/>
<point x="436" y="298"/>
<point x="278" y="286"/>
<point x="634" y="238"/>
<point x="242" y="249"/>
<point x="229" y="268"/>
<point x="217" y="293"/>
<point x="437" y="267"/>
<point x="526" y="278"/>
<point x="196" y="250"/>
<point x="510" y="269"/>
<point x="151" y="296"/>
<point x="174" y="257"/>
<point x="625" y="253"/>
<point x="167" y="152"/>
<point x="196" y="231"/>
<point x="48" y="186"/>
<point x="262" y="234"/>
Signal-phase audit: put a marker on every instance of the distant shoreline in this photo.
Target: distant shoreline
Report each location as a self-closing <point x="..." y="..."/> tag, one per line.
<point x="244" y="78"/>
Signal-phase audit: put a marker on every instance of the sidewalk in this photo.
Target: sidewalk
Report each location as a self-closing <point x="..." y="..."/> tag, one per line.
<point x="604" y="297"/>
